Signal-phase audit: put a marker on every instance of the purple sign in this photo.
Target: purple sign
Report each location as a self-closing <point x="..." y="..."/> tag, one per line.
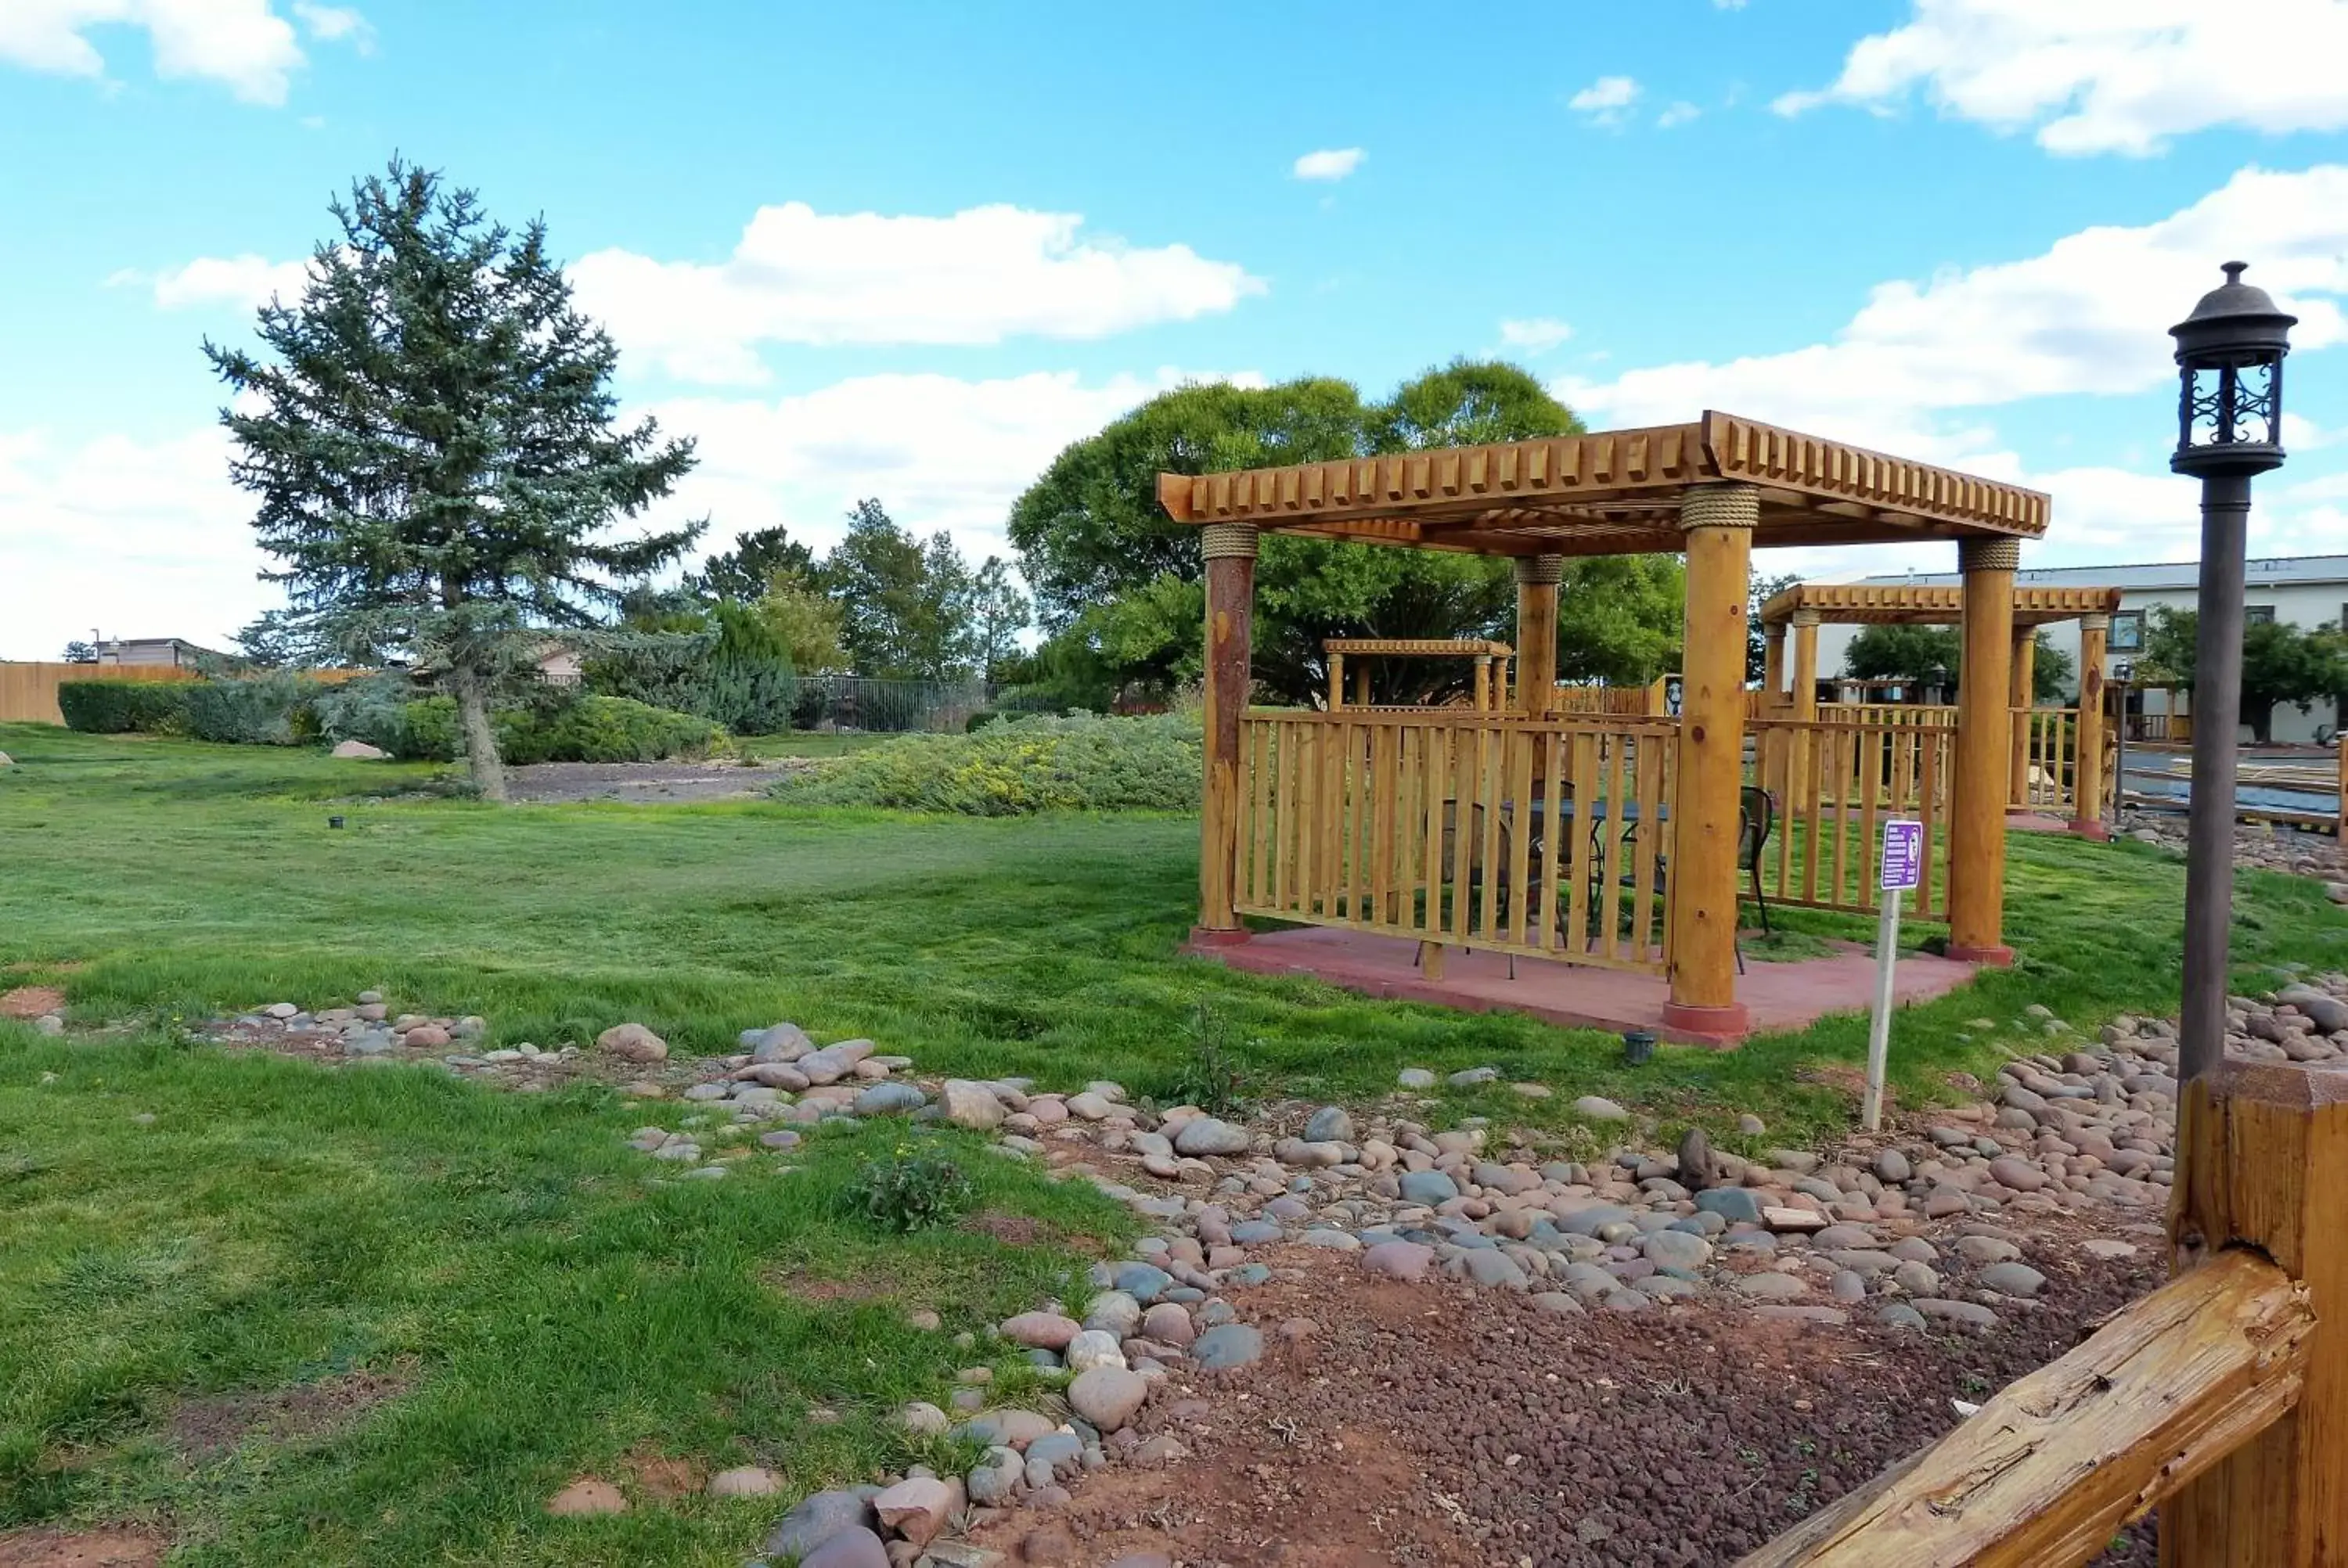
<point x="1903" y="854"/>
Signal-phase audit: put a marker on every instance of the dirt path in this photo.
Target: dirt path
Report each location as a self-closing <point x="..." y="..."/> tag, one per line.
<point x="1432" y="1426"/>
<point x="662" y="783"/>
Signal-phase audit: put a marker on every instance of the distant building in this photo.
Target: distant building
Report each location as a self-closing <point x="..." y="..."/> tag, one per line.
<point x="172" y="652"/>
<point x="2306" y="591"/>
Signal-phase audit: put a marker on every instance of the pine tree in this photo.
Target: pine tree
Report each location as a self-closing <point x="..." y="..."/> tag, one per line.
<point x="433" y="445"/>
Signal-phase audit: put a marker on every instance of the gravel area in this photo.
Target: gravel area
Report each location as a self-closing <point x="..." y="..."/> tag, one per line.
<point x="661" y="784"/>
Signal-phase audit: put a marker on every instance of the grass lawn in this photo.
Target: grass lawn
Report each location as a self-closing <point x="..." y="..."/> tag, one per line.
<point x="501" y="1257"/>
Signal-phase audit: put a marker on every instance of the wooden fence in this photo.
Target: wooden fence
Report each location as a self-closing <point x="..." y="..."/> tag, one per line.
<point x="2221" y="1398"/>
<point x="1547" y="838"/>
<point x="29" y="693"/>
<point x="1834" y="783"/>
<point x="2046" y="758"/>
<point x="1614" y="701"/>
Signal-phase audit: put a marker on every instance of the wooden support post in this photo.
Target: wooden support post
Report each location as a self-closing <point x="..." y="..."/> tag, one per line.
<point x="2021" y="671"/>
<point x="1230" y="549"/>
<point x="2262" y="1164"/>
<point x="1362" y="685"/>
<point x="1537" y="581"/>
<point x="1977" y="807"/>
<point x="1800" y="755"/>
<point x="1719" y="521"/>
<point x="1773" y="665"/>
<point x="2088" y="766"/>
<point x="1336" y="683"/>
<point x="1483" y="683"/>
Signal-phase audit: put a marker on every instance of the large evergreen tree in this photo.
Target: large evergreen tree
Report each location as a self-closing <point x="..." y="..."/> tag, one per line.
<point x="432" y="439"/>
<point x="744" y="573"/>
<point x="999" y="613"/>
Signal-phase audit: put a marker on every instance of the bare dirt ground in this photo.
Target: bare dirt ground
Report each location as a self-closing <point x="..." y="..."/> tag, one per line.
<point x="79" y="1549"/>
<point x="1400" y="1425"/>
<point x="663" y="784"/>
<point x="31" y="1001"/>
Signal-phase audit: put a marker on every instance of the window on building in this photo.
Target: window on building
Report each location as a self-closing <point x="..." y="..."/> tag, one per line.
<point x="2258" y="615"/>
<point x="2127" y="632"/>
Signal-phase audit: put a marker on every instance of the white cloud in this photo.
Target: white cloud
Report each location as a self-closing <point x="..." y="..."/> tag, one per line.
<point x="937" y="451"/>
<point x="177" y="557"/>
<point x="1605" y="100"/>
<point x="977" y="277"/>
<point x="2086" y="315"/>
<point x="2107" y="75"/>
<point x="137" y="538"/>
<point x="1329" y="163"/>
<point x="243" y="44"/>
<point x="1534" y="334"/>
<point x="1917" y="370"/>
<point x="1678" y="114"/>
<point x="335" y="23"/>
<point x="246" y="282"/>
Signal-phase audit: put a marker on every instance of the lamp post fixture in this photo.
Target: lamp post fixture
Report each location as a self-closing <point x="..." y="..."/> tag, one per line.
<point x="2229" y="354"/>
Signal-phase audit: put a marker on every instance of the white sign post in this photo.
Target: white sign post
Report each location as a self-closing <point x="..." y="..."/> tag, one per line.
<point x="1903" y="865"/>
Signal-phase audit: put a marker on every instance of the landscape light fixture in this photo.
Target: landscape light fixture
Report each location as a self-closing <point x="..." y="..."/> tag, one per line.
<point x="2229" y="354"/>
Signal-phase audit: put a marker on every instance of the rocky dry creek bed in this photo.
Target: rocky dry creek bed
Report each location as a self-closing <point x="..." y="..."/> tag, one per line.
<point x="1393" y="1335"/>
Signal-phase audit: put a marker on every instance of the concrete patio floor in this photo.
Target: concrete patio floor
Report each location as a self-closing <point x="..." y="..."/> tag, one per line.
<point x="1778" y="996"/>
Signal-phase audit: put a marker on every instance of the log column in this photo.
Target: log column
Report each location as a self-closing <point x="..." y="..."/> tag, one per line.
<point x="2022" y="677"/>
<point x="1985" y="727"/>
<point x="2088" y="770"/>
<point x="1230" y="549"/>
<point x="1805" y="709"/>
<point x="1718" y="520"/>
<point x="1537" y="581"/>
<point x="2262" y="1164"/>
<point x="1773" y="666"/>
<point x="1336" y="683"/>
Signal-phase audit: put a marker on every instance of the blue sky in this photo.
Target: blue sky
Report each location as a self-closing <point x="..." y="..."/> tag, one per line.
<point x="910" y="251"/>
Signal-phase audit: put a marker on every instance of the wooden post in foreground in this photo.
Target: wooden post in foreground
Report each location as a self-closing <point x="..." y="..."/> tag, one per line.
<point x="1977" y="805"/>
<point x="1537" y="581"/>
<point x="2262" y="1162"/>
<point x="1719" y="521"/>
<point x="2087" y="764"/>
<point x="1230" y="549"/>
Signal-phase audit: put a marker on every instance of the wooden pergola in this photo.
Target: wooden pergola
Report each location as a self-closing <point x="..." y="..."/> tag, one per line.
<point x="1483" y="651"/>
<point x="1806" y="606"/>
<point x="1300" y="826"/>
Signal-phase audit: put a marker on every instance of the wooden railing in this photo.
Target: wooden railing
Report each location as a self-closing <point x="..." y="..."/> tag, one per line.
<point x="1834" y="781"/>
<point x="2221" y="1398"/>
<point x="2045" y="760"/>
<point x="1543" y="838"/>
<point x="1618" y="701"/>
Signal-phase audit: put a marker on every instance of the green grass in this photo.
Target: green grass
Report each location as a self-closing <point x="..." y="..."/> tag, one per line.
<point x="809" y="743"/>
<point x="277" y="1223"/>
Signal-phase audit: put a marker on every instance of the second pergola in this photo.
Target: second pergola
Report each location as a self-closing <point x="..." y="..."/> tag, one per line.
<point x="1586" y="838"/>
<point x="2046" y="740"/>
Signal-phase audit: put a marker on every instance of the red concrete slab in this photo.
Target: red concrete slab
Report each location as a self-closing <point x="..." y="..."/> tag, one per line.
<point x="1777" y="996"/>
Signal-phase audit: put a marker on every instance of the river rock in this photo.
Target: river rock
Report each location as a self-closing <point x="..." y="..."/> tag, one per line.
<point x="358" y="750"/>
<point x="632" y="1042"/>
<point x="1108" y="1397"/>
<point x="1209" y="1135"/>
<point x="916" y="1508"/>
<point x="971" y="1105"/>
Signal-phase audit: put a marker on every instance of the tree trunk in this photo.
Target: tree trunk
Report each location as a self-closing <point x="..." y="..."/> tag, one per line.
<point x="480" y="736"/>
<point x="2260" y="716"/>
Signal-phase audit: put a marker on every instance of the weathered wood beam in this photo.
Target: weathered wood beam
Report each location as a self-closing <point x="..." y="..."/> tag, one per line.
<point x="2061" y="1460"/>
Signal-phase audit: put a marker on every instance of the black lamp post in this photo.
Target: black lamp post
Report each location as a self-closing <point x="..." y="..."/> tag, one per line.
<point x="2229" y="355"/>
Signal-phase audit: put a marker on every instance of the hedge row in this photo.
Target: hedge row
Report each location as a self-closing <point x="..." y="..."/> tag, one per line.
<point x="285" y="710"/>
<point x="588" y="730"/>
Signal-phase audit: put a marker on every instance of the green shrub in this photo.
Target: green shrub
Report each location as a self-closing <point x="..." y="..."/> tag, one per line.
<point x="584" y="730"/>
<point x="372" y="708"/>
<point x="1079" y="762"/>
<point x="736" y="672"/>
<point x="125" y="707"/>
<point x="912" y="1190"/>
<point x="276" y="709"/>
<point x="979" y="720"/>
